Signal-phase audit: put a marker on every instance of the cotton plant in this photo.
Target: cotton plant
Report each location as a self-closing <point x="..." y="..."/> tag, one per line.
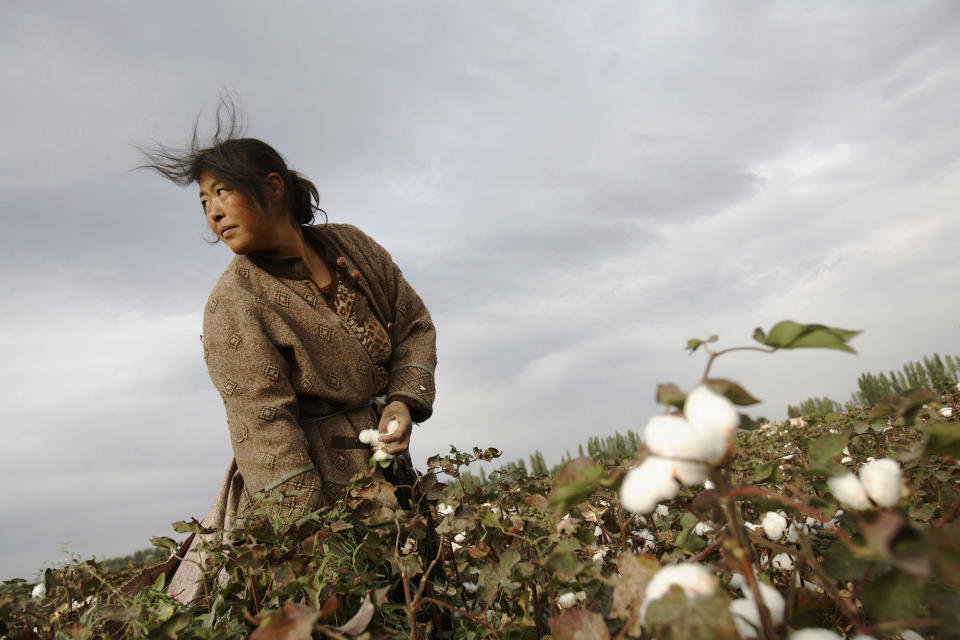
<point x="682" y="448"/>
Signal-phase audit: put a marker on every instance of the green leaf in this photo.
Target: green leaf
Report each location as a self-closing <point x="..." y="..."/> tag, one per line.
<point x="670" y="394"/>
<point x="943" y="439"/>
<point x="895" y="596"/>
<point x="793" y="335"/>
<point x="824" y="449"/>
<point x="494" y="577"/>
<point x="565" y="565"/>
<point x="693" y="344"/>
<point x="731" y="391"/>
<point x="574" y="483"/>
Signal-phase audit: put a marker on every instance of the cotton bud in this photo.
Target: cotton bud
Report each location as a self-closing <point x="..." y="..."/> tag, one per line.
<point x="814" y="634"/>
<point x="848" y="490"/>
<point x="774" y="525"/>
<point x="380" y="455"/>
<point x="783" y="562"/>
<point x="693" y="579"/>
<point x="369" y="436"/>
<point x="881" y="480"/>
<point x="644" y="486"/>
<point x="566" y="600"/>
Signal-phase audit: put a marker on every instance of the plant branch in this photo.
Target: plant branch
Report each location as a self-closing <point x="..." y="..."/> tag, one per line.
<point x="465" y="613"/>
<point x="825" y="583"/>
<point x="742" y="551"/>
<point x="715" y="354"/>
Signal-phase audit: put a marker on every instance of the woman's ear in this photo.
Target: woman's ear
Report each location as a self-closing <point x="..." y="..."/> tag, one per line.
<point x="274" y="186"/>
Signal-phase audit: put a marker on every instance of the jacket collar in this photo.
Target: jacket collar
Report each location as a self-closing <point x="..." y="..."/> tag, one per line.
<point x="293" y="268"/>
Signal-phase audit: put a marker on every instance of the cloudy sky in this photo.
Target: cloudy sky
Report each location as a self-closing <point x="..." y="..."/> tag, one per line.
<point x="574" y="189"/>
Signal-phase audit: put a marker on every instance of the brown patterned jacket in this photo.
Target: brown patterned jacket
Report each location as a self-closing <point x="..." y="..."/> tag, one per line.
<point x="279" y="355"/>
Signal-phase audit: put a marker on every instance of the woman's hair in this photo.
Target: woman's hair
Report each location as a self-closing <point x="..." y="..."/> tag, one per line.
<point x="242" y="163"/>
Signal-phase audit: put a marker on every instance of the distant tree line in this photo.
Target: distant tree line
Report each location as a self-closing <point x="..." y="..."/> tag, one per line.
<point x="932" y="372"/>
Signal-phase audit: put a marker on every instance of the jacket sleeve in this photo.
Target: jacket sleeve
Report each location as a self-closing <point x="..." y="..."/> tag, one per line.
<point x="414" y="337"/>
<point x="253" y="379"/>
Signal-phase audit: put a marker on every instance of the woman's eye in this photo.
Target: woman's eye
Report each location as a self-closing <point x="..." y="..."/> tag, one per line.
<point x="222" y="189"/>
<point x="203" y="205"/>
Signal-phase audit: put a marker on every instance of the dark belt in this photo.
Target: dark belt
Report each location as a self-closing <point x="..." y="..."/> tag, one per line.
<point x="344" y="442"/>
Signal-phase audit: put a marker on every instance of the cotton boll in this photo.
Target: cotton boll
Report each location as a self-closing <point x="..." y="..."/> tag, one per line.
<point x="369" y="436"/>
<point x="846" y="459"/>
<point x="392" y="426"/>
<point x="910" y="634"/>
<point x="772" y="600"/>
<point x="737" y="581"/>
<point x="774" y="525"/>
<point x="702" y="528"/>
<point x="644" y="486"/>
<point x="946" y="412"/>
<point x="445" y="509"/>
<point x="694" y="579"/>
<point x="566" y="600"/>
<point x="470" y="587"/>
<point x="746" y="617"/>
<point x="662" y="510"/>
<point x="669" y="436"/>
<point x="864" y="636"/>
<point x="39" y="591"/>
<point x="751" y="526"/>
<point x="848" y="490"/>
<point x="710" y="445"/>
<point x="881" y="480"/>
<point x="689" y="473"/>
<point x="814" y="634"/>
<point x="707" y="484"/>
<point x="783" y="562"/>
<point x="706" y="409"/>
<point x="380" y="455"/>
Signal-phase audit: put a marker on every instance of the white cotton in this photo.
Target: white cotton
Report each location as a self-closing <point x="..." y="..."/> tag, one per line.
<point x="789" y="456"/>
<point x="798" y="422"/>
<point x="772" y="600"/>
<point x="848" y="490"/>
<point x="39" y="591"/>
<point x="737" y="581"/>
<point x="380" y="455"/>
<point x="597" y="531"/>
<point x="751" y="526"/>
<point x="445" y="509"/>
<point x="689" y="473"/>
<point x="566" y="600"/>
<point x="881" y="480"/>
<point x="794" y="531"/>
<point x="946" y="412"/>
<point x="645" y="534"/>
<point x="812" y="522"/>
<point x="863" y="636"/>
<point x="706" y="409"/>
<point x="869" y="458"/>
<point x="669" y="436"/>
<point x="746" y="617"/>
<point x="846" y="459"/>
<point x="392" y="426"/>
<point x="694" y="579"/>
<point x="702" y="528"/>
<point x="644" y="486"/>
<point x="815" y="633"/>
<point x="369" y="436"/>
<point x="598" y="556"/>
<point x="470" y="587"/>
<point x="774" y="525"/>
<point x="707" y="484"/>
<point x="581" y="596"/>
<point x="783" y="562"/>
<point x="846" y="451"/>
<point x="662" y="510"/>
<point x="910" y="634"/>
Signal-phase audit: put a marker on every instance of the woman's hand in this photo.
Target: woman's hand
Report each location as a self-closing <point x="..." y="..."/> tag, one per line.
<point x="399" y="440"/>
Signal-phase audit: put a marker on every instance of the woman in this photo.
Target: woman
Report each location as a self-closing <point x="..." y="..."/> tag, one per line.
<point x="311" y="335"/>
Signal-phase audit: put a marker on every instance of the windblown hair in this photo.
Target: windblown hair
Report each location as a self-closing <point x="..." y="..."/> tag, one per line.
<point x="242" y="163"/>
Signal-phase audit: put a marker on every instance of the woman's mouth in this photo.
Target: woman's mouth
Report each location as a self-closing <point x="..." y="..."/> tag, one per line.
<point x="225" y="232"/>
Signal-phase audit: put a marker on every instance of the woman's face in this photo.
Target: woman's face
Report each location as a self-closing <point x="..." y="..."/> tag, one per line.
<point x="243" y="226"/>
